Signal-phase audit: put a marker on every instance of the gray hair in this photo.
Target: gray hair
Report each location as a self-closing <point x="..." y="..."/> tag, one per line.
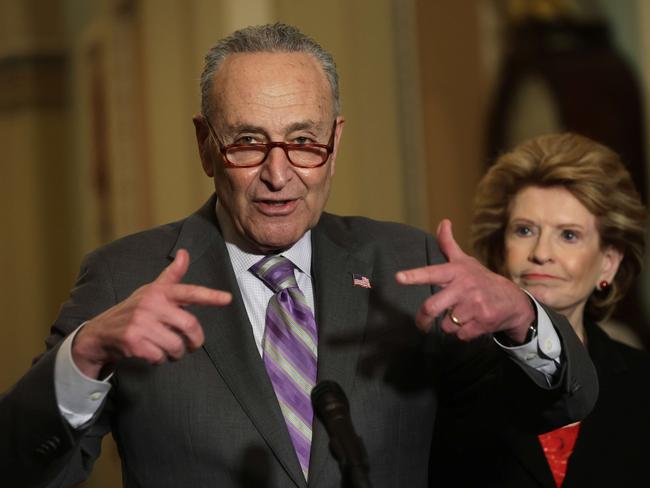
<point x="276" y="37"/>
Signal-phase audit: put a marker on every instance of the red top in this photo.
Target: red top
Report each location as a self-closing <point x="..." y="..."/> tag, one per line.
<point x="558" y="446"/>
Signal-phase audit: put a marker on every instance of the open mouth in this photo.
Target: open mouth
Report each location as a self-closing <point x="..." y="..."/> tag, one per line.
<point x="275" y="203"/>
<point x="276" y="207"/>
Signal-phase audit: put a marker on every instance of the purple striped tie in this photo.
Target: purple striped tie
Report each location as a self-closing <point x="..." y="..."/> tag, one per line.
<point x="290" y="348"/>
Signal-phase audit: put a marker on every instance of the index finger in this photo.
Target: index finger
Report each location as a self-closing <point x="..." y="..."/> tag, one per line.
<point x="184" y="294"/>
<point x="436" y="274"/>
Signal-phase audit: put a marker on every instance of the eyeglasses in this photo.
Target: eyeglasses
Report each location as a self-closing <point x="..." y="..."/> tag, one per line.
<point x="309" y="155"/>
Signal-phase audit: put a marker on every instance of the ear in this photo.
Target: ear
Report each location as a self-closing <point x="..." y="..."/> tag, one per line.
<point x="340" y="121"/>
<point x="612" y="258"/>
<point x="205" y="144"/>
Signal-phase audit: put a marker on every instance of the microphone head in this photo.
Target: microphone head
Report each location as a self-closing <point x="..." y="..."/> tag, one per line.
<point x="333" y="410"/>
<point x="328" y="400"/>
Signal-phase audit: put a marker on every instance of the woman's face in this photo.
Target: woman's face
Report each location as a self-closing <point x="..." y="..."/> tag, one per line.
<point x="553" y="249"/>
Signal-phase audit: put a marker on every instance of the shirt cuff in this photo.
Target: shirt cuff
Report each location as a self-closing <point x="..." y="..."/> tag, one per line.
<point x="78" y="396"/>
<point x="543" y="351"/>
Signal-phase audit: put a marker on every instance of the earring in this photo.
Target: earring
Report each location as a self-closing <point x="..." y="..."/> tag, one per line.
<point x="603" y="285"/>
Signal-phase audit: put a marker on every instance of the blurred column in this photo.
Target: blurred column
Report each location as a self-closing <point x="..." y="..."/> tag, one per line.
<point x="452" y="83"/>
<point x="34" y="256"/>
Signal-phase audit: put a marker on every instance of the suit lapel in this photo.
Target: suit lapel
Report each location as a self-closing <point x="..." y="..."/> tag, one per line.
<point x="610" y="364"/>
<point x="341" y="310"/>
<point x="529" y="453"/>
<point x="229" y="340"/>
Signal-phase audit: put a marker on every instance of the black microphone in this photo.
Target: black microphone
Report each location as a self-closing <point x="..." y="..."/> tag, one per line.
<point x="332" y="408"/>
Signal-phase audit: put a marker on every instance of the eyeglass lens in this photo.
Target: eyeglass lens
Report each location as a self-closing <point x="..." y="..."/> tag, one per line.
<point x="251" y="155"/>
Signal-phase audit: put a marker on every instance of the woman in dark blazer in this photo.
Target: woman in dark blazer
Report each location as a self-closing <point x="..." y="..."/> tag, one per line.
<point x="560" y="216"/>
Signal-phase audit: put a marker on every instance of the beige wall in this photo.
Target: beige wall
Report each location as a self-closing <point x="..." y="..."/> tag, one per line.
<point x="34" y="180"/>
<point x="414" y="83"/>
<point x="453" y="100"/>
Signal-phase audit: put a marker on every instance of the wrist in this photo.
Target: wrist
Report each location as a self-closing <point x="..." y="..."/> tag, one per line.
<point x="509" y="341"/>
<point x="521" y="334"/>
<point x="84" y="353"/>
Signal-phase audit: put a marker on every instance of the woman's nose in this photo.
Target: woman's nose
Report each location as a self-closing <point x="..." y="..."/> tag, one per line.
<point x="541" y="252"/>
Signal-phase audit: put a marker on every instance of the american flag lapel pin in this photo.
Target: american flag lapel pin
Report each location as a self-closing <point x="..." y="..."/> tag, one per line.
<point x="360" y="280"/>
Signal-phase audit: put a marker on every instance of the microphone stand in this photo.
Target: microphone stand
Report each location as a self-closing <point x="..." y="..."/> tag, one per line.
<point x="332" y="408"/>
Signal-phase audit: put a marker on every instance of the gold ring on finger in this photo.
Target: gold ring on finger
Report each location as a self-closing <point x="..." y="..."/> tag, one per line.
<point x="453" y="318"/>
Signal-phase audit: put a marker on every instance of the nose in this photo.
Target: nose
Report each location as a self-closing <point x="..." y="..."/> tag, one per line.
<point x="542" y="251"/>
<point x="277" y="171"/>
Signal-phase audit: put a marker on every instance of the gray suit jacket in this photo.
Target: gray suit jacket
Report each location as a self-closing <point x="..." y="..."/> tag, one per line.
<point x="212" y="418"/>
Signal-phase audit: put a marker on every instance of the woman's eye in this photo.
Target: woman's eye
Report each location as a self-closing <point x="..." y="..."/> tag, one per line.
<point x="522" y="230"/>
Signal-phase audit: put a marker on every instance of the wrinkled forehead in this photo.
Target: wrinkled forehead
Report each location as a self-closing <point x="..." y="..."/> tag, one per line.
<point x="270" y="85"/>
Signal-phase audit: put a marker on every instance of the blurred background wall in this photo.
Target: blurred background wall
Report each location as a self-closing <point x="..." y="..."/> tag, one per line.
<point x="96" y="139"/>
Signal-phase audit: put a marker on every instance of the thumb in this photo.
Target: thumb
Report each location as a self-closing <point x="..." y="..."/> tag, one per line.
<point x="176" y="270"/>
<point x="446" y="241"/>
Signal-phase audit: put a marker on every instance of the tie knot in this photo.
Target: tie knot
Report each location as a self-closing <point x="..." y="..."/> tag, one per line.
<point x="276" y="272"/>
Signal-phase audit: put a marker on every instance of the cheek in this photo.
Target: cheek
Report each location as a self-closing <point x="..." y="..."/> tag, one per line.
<point x="233" y="186"/>
<point x="515" y="256"/>
<point x="318" y="185"/>
<point x="584" y="268"/>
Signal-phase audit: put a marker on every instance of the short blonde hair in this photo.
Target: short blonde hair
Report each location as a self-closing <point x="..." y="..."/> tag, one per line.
<point x="593" y="174"/>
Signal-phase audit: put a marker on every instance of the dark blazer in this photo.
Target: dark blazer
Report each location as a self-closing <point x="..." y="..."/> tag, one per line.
<point x="212" y="418"/>
<point x="611" y="448"/>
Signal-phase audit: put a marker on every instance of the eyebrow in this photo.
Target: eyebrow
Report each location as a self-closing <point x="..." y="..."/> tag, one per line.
<point x="255" y="129"/>
<point x="307" y="124"/>
<point x="244" y="128"/>
<point x="516" y="220"/>
<point x="520" y="219"/>
<point x="573" y="225"/>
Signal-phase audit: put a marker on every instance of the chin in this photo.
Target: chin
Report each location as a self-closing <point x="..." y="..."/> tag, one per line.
<point x="277" y="242"/>
<point x="542" y="295"/>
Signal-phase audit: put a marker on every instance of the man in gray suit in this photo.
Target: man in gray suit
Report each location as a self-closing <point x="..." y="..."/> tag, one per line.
<point x="166" y="343"/>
